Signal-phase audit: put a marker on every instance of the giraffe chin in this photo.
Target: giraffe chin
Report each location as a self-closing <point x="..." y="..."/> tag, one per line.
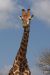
<point x="26" y="25"/>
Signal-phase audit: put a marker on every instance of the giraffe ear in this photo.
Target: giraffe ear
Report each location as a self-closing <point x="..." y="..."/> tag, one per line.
<point x="20" y="17"/>
<point x="32" y="16"/>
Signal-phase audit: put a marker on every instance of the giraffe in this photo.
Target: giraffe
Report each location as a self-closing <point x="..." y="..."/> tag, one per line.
<point x="20" y="65"/>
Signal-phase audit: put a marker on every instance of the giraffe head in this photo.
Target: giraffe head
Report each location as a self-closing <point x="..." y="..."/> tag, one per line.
<point x="26" y="17"/>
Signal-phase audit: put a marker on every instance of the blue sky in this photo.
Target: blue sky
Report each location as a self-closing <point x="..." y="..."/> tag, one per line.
<point x="11" y="31"/>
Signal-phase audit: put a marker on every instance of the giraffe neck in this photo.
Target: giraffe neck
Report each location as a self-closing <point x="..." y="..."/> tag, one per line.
<point x="23" y="47"/>
<point x="20" y="65"/>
